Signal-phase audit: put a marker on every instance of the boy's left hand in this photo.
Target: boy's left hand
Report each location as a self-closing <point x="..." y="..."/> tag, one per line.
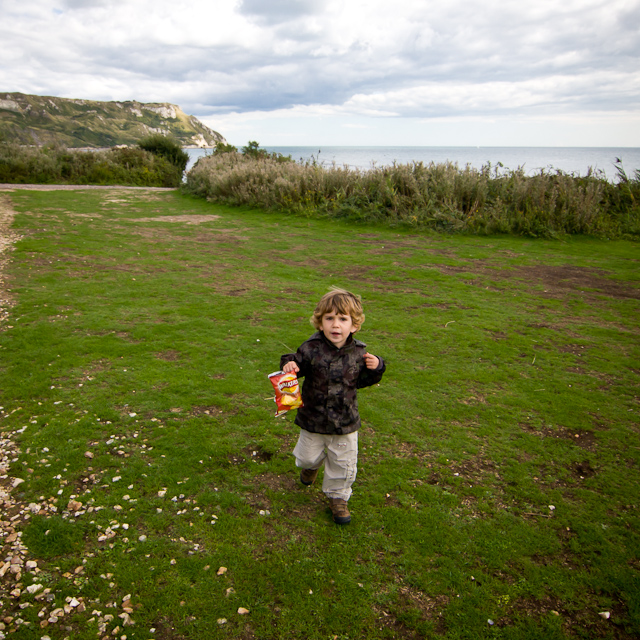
<point x="371" y="361"/>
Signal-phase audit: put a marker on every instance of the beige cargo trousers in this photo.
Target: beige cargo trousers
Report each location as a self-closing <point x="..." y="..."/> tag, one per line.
<point x="339" y="454"/>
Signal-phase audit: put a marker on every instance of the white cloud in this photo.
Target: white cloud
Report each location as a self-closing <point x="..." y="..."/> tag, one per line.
<point x="355" y="58"/>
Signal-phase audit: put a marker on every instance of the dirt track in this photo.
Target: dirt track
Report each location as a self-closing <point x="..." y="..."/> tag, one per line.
<point x="73" y="187"/>
<point x="7" y="238"/>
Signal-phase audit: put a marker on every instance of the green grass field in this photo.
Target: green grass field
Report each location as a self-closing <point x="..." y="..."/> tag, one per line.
<point x="498" y="482"/>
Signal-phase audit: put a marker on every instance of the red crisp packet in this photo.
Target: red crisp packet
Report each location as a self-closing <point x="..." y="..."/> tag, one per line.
<point x="287" y="391"/>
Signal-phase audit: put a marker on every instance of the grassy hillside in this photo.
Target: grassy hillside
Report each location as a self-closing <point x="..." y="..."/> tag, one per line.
<point x="40" y="120"/>
<point x="153" y="492"/>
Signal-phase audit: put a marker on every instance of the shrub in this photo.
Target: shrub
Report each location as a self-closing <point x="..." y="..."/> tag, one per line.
<point x="438" y="196"/>
<point x="222" y="147"/>
<point x="58" y="165"/>
<point x="166" y="147"/>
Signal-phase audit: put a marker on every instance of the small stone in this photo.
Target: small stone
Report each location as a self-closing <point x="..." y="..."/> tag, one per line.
<point x="126" y="619"/>
<point x="88" y="454"/>
<point x="222" y="570"/>
<point x="222" y="621"/>
<point x="242" y="611"/>
<point x="74" y="505"/>
<point x="605" y="614"/>
<point x="142" y="539"/>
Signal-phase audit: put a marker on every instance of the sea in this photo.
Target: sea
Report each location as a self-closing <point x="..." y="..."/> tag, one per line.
<point x="573" y="160"/>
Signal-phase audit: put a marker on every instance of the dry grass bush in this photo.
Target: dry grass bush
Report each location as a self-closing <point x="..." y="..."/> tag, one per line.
<point x="439" y="196"/>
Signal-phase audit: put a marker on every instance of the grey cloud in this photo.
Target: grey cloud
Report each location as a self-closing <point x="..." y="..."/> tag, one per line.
<point x="275" y="11"/>
<point x="86" y="4"/>
<point x="434" y="63"/>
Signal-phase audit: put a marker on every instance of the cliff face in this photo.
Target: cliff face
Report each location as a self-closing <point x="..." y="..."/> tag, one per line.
<point x="87" y="123"/>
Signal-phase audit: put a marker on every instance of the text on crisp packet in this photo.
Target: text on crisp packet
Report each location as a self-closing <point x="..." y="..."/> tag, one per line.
<point x="287" y="391"/>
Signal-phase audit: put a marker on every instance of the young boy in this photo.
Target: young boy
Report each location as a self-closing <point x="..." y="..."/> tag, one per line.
<point x="333" y="365"/>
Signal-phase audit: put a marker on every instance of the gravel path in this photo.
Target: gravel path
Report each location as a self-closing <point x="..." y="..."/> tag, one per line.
<point x="7" y="238"/>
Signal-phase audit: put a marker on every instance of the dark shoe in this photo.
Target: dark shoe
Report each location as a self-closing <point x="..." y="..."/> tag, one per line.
<point x="340" y="511"/>
<point x="308" y="476"/>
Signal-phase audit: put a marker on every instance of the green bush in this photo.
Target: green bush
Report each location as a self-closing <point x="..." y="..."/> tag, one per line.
<point x="58" y="165"/>
<point x="222" y="147"/>
<point x="166" y="147"/>
<point x="439" y="196"/>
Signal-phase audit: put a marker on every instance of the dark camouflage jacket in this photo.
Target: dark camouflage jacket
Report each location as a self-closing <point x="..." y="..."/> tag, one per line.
<point x="331" y="377"/>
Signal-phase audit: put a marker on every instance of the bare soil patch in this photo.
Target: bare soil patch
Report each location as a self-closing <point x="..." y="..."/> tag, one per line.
<point x="556" y="281"/>
<point x="186" y="219"/>
<point x="75" y="187"/>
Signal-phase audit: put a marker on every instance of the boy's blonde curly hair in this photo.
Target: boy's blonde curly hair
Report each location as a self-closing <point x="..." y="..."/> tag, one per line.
<point x="342" y="302"/>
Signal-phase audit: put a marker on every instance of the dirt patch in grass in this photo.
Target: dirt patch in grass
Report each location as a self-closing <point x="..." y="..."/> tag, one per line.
<point x="582" y="470"/>
<point x="413" y="601"/>
<point x="278" y="482"/>
<point x="169" y="356"/>
<point x="587" y="621"/>
<point x="583" y="439"/>
<point x="556" y="281"/>
<point x="164" y="630"/>
<point x="186" y="219"/>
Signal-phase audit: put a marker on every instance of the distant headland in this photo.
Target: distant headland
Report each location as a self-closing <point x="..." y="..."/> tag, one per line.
<point x="41" y="120"/>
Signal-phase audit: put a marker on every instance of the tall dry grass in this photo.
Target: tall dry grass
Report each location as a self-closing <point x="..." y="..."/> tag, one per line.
<point x="438" y="196"/>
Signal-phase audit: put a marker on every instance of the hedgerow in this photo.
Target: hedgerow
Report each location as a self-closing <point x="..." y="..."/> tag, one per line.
<point x="441" y="196"/>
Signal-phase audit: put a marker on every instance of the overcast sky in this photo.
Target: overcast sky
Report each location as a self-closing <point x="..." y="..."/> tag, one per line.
<point x="345" y="72"/>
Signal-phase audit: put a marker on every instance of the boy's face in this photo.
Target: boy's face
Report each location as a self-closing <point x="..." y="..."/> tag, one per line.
<point x="337" y="327"/>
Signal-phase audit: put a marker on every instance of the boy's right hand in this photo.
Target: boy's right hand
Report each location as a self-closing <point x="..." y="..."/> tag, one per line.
<point x="291" y="366"/>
